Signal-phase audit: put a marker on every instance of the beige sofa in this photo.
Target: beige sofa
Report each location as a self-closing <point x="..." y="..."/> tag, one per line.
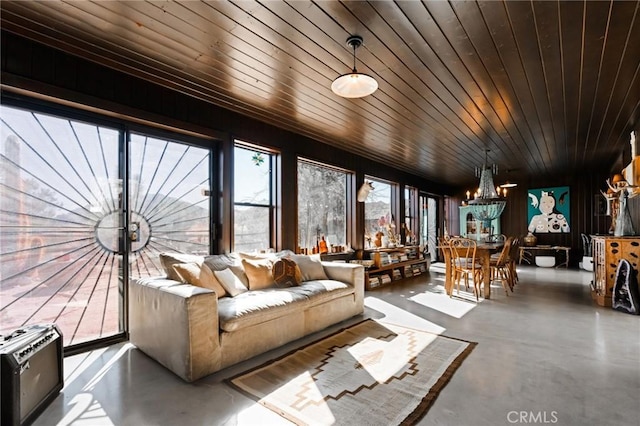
<point x="193" y="333"/>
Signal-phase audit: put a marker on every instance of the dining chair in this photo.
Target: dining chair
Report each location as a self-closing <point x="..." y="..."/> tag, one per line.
<point x="501" y="267"/>
<point x="465" y="264"/>
<point x="514" y="252"/>
<point x="443" y="245"/>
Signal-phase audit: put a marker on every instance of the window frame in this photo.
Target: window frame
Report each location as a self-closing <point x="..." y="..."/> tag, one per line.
<point x="394" y="203"/>
<point x="411" y="196"/>
<point x="274" y="160"/>
<point x="349" y="199"/>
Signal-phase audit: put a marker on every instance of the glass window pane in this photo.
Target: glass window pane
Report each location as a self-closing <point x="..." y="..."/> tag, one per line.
<point x="410" y="217"/>
<point x="61" y="195"/>
<point x="378" y="221"/>
<point x="321" y="205"/>
<point x="252" y="177"/>
<point x="166" y="200"/>
<point x="251" y="228"/>
<point x="252" y="199"/>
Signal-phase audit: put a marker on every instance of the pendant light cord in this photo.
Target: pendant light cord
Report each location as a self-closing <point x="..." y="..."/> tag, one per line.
<point x="354" y="58"/>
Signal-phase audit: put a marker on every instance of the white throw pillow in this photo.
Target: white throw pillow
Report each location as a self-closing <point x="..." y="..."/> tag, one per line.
<point x="310" y="267"/>
<point x="230" y="282"/>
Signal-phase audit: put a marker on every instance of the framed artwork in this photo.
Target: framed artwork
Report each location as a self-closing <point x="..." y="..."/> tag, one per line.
<point x="548" y="210"/>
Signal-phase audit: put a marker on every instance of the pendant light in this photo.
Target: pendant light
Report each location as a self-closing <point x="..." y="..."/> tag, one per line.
<point x="354" y="84"/>
<point x="508" y="184"/>
<point x="488" y="205"/>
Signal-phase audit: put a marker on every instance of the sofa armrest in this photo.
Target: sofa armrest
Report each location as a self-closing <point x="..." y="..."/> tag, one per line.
<point x="348" y="273"/>
<point x="176" y="324"/>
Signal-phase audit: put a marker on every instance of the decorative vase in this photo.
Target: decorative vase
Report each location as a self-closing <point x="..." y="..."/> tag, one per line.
<point x="378" y="240"/>
<point x="530" y="240"/>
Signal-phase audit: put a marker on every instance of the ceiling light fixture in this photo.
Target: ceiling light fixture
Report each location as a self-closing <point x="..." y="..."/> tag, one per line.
<point x="487" y="204"/>
<point x="508" y="183"/>
<point x="354" y="84"/>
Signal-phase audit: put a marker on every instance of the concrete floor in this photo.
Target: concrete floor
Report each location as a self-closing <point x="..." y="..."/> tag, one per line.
<point x="546" y="355"/>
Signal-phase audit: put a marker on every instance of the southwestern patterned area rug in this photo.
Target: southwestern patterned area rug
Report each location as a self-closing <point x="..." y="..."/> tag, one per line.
<point x="371" y="373"/>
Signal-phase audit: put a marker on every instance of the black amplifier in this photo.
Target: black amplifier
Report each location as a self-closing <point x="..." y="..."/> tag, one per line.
<point x="31" y="372"/>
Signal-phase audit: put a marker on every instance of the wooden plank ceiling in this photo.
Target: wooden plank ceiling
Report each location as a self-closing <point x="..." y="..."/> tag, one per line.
<point x="549" y="87"/>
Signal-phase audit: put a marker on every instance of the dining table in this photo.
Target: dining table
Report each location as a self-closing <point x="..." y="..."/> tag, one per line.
<point x="483" y="252"/>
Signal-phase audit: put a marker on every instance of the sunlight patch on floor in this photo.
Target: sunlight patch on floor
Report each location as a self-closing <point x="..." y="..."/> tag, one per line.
<point x="85" y="411"/>
<point x="382" y="363"/>
<point x="75" y="365"/>
<point x="393" y="314"/>
<point x="256" y="414"/>
<point x="85" y="408"/>
<point x="437" y="267"/>
<point x="456" y="307"/>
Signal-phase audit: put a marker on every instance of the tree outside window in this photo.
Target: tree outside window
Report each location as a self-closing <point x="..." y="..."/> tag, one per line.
<point x="252" y="195"/>
<point x="322" y="203"/>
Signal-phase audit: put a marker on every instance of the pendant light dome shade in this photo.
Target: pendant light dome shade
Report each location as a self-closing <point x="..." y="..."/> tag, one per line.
<point x="354" y="84"/>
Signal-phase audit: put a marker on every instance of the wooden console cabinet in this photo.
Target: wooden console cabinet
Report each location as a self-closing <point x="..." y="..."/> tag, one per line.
<point x="607" y="252"/>
<point x="404" y="262"/>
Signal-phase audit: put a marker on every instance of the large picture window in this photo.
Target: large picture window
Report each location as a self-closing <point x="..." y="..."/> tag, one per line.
<point x="379" y="223"/>
<point x="322" y="206"/>
<point x="252" y="199"/>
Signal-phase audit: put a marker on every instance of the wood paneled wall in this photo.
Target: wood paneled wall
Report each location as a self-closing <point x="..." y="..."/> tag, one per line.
<point x="585" y="217"/>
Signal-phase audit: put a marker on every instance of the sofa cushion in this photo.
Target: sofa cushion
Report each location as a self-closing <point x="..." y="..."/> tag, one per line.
<point x="230" y="282"/>
<point x="157" y="282"/>
<point x="310" y="266"/>
<point x="320" y="291"/>
<point x="259" y="273"/>
<point x="238" y="271"/>
<point x="286" y="273"/>
<point x="261" y="256"/>
<point x="199" y="275"/>
<point x="219" y="262"/>
<point x="256" y="256"/>
<point x="167" y="260"/>
<point x="256" y="307"/>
